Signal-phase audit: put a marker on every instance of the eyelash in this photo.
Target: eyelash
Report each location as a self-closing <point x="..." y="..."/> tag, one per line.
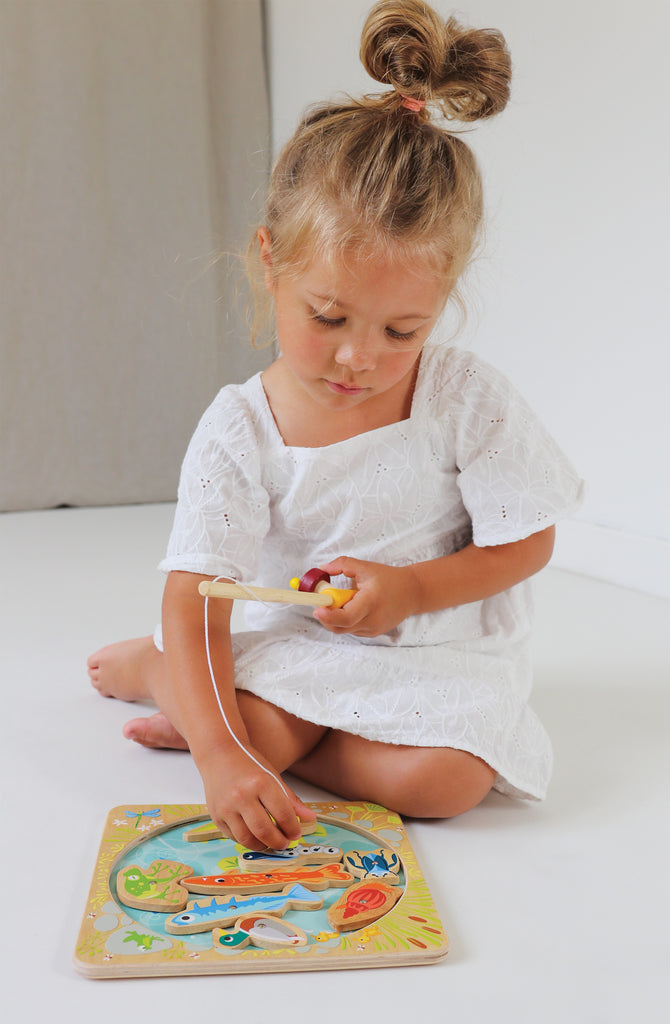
<point x="325" y="322"/>
<point x="410" y="336"/>
<point x="395" y="335"/>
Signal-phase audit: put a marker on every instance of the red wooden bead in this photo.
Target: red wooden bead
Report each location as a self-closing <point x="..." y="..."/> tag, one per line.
<point x="311" y="579"/>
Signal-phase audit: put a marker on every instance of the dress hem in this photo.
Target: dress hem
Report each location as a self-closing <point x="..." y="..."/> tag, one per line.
<point x="505" y="782"/>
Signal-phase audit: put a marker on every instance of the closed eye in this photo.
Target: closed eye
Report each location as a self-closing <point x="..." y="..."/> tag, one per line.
<point x="327" y="321"/>
<point x="398" y="336"/>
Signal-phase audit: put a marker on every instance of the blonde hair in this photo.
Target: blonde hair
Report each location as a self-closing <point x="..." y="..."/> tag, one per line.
<point x="372" y="175"/>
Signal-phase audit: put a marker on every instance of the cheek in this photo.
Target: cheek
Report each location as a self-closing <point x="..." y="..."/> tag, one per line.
<point x="399" y="364"/>
<point x="299" y="342"/>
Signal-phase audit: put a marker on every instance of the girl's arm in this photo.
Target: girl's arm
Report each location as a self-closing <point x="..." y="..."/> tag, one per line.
<point x="240" y="795"/>
<point x="389" y="594"/>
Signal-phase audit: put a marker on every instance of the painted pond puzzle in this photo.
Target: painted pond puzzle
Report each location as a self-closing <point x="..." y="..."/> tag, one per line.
<point x="171" y="895"/>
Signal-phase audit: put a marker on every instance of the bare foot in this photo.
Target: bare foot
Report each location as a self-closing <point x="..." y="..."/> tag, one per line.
<point x="122" y="670"/>
<point x="156" y="731"/>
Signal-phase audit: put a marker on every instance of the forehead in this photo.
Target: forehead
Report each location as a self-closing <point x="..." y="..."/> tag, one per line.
<point x="401" y="287"/>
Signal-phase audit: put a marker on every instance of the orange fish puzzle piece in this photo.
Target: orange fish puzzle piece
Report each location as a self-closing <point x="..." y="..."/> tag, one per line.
<point x="328" y="876"/>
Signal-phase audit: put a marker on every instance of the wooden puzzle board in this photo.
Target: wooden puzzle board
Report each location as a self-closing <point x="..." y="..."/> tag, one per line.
<point x="116" y="941"/>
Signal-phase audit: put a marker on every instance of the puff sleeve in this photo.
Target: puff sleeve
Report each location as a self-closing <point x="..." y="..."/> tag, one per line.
<point x="222" y="513"/>
<point x="513" y="477"/>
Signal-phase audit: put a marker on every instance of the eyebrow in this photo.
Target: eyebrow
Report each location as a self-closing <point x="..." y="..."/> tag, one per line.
<point x="330" y="300"/>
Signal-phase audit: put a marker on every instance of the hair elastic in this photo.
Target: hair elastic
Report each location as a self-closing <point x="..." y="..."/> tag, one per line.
<point x="413" y="104"/>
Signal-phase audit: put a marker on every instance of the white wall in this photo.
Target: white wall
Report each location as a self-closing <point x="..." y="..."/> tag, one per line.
<point x="571" y="298"/>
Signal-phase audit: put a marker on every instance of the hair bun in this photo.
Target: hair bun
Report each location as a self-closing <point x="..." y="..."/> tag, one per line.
<point x="407" y="45"/>
<point x="403" y="45"/>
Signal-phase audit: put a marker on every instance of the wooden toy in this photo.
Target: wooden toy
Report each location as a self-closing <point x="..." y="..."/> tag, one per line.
<point x="362" y="904"/>
<point x="264" y="932"/>
<point x="217" y="912"/>
<point x="328" y="876"/>
<point x="156" y="888"/>
<point x="297" y="856"/>
<point x="209" y="831"/>
<point x="315" y="594"/>
<point x="117" y="940"/>
<point x="379" y="864"/>
<point x="205" y="833"/>
<point x="316" y="581"/>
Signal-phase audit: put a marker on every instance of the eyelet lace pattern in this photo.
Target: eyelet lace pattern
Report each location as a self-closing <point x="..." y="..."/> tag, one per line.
<point x="472" y="462"/>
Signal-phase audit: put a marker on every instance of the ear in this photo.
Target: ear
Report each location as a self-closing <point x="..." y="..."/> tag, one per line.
<point x="265" y="246"/>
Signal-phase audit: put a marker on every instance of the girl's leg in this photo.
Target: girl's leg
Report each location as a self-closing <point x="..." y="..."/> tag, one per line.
<point x="135" y="670"/>
<point x="126" y="670"/>
<point x="280" y="736"/>
<point x="415" y="781"/>
<point x="420" y="782"/>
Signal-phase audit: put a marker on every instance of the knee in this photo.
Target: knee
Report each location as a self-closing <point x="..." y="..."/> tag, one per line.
<point x="443" y="783"/>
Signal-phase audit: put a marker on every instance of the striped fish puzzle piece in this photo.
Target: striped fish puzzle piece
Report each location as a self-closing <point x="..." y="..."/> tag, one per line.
<point x="219" y="912"/>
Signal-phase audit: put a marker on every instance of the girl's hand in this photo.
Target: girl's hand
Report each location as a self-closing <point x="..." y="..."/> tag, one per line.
<point x="386" y="596"/>
<point x="242" y="800"/>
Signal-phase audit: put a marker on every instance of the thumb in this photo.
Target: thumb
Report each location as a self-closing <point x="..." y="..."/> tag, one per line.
<point x="303" y="812"/>
<point x="344" y="566"/>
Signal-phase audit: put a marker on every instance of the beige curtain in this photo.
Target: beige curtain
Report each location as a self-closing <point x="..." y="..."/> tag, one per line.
<point x="133" y="147"/>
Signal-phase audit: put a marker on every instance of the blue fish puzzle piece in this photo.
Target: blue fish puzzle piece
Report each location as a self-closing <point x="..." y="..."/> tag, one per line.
<point x="217" y="912"/>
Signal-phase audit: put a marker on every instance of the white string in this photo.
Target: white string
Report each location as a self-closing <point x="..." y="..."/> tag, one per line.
<point x="216" y="691"/>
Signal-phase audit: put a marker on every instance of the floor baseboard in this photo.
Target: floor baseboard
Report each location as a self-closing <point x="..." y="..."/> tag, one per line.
<point x="627" y="559"/>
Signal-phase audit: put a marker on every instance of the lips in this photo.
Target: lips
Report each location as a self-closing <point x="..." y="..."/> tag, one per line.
<point x="344" y="389"/>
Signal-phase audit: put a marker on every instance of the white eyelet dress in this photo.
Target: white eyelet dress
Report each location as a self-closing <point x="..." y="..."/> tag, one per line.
<point x="471" y="463"/>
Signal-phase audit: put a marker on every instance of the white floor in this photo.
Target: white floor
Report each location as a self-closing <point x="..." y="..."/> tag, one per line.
<point x="556" y="912"/>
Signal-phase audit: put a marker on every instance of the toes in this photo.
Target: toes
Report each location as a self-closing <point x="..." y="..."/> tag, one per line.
<point x="156" y="732"/>
<point x="94" y="676"/>
<point x="135" y="730"/>
<point x="93" y="667"/>
<point x="143" y="731"/>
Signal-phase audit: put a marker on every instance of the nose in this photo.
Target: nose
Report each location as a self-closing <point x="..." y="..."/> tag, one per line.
<point x="357" y="353"/>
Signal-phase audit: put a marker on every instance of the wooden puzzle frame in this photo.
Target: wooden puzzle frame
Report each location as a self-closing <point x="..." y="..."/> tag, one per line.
<point x="112" y="943"/>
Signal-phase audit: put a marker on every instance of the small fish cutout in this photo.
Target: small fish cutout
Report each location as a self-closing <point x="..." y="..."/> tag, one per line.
<point x="253" y="860"/>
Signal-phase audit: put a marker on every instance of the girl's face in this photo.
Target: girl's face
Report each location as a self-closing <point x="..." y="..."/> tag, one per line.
<point x="351" y="333"/>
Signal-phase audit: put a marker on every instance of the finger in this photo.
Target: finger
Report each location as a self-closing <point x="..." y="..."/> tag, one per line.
<point x="287" y="814"/>
<point x="238" y="830"/>
<point x="355" y="608"/>
<point x="346" y="619"/>
<point x="366" y="626"/>
<point x="261" y="822"/>
<point x="304" y="813"/>
<point x="344" y="566"/>
<point x="233" y="827"/>
<point x="255" y="830"/>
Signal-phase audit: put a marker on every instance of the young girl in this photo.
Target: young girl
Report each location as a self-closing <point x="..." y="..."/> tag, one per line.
<point x="411" y="469"/>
